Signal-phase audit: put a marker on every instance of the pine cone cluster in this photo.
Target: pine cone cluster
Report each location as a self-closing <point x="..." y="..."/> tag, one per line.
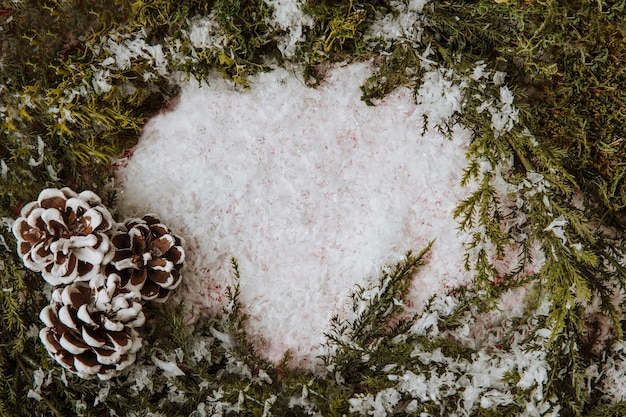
<point x="102" y="271"/>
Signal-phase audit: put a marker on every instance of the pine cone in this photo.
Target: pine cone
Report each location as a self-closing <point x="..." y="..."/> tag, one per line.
<point x="62" y="235"/>
<point x="91" y="330"/>
<point x="148" y="258"/>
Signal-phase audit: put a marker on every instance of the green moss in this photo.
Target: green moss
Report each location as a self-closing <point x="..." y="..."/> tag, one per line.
<point x="339" y="34"/>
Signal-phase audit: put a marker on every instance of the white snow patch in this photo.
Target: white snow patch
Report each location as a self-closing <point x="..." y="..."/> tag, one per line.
<point x="204" y="33"/>
<point x="381" y="406"/>
<point x="405" y="24"/>
<point x="613" y="386"/>
<point x="288" y="16"/>
<point x="311" y="190"/>
<point x="4" y="170"/>
<point x="123" y="50"/>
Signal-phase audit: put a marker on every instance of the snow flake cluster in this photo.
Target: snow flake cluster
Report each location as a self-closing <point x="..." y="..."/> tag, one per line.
<point x="405" y="24"/>
<point x="483" y="379"/>
<point x="287" y="16"/>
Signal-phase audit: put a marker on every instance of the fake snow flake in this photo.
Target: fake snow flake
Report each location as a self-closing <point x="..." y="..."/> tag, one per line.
<point x="123" y="50"/>
<point x="612" y="386"/>
<point x="100" y="81"/>
<point x="440" y="96"/>
<point x="288" y="16"/>
<point x="205" y="33"/>
<point x="40" y="147"/>
<point x="4" y="170"/>
<point x="506" y="115"/>
<point x="415" y="386"/>
<point x="169" y="367"/>
<point x="381" y="406"/>
<point x="556" y="227"/>
<point x="405" y="23"/>
<point x="38" y="381"/>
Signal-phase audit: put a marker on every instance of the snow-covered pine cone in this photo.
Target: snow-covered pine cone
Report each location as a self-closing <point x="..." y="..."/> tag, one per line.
<point x="62" y="235"/>
<point x="148" y="257"/>
<point x="91" y="327"/>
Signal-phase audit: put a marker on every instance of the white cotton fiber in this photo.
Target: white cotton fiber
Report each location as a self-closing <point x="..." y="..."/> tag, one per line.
<point x="312" y="191"/>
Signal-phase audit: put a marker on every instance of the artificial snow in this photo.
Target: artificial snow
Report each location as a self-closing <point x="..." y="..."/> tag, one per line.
<point x="405" y="23"/>
<point x="310" y="190"/>
<point x="287" y="16"/>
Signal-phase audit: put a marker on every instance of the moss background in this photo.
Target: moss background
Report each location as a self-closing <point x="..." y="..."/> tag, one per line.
<point x="564" y="60"/>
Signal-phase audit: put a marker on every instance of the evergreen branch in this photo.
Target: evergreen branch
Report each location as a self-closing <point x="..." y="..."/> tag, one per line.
<point x="384" y="303"/>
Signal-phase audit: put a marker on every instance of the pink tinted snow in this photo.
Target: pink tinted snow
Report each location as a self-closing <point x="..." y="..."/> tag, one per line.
<point x="312" y="191"/>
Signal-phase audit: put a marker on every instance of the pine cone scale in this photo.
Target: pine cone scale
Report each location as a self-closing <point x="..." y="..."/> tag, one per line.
<point x="27" y="232"/>
<point x="49" y="341"/>
<point x="93" y="252"/>
<point x="176" y="255"/>
<point x="92" y="221"/>
<point x="122" y="254"/>
<point x="119" y="340"/>
<point x="54" y="202"/>
<point x="150" y="290"/>
<point x="41" y="252"/>
<point x="121" y="241"/>
<point x="160" y="264"/>
<point x="138" y="240"/>
<point x="73" y="343"/>
<point x="84" y="316"/>
<point x="162" y="244"/>
<point x="159" y="229"/>
<point x="107" y="356"/>
<point x="51" y="320"/>
<point x="87" y="363"/>
<point x="54" y="222"/>
<point x="162" y="278"/>
<point x="84" y="268"/>
<point x="93" y="338"/>
<point x="68" y="317"/>
<point x="138" y="277"/>
<point x="76" y="295"/>
<point x="52" y="198"/>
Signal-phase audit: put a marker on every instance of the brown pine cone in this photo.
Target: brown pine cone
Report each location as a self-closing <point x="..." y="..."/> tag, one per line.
<point x="148" y="258"/>
<point x="91" y="331"/>
<point x="62" y="235"/>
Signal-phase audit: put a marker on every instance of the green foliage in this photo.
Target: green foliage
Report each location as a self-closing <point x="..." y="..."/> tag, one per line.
<point x="569" y="59"/>
<point x="20" y="301"/>
<point x="378" y="322"/>
<point x="339" y="34"/>
<point x="246" y="42"/>
<point x="614" y="410"/>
